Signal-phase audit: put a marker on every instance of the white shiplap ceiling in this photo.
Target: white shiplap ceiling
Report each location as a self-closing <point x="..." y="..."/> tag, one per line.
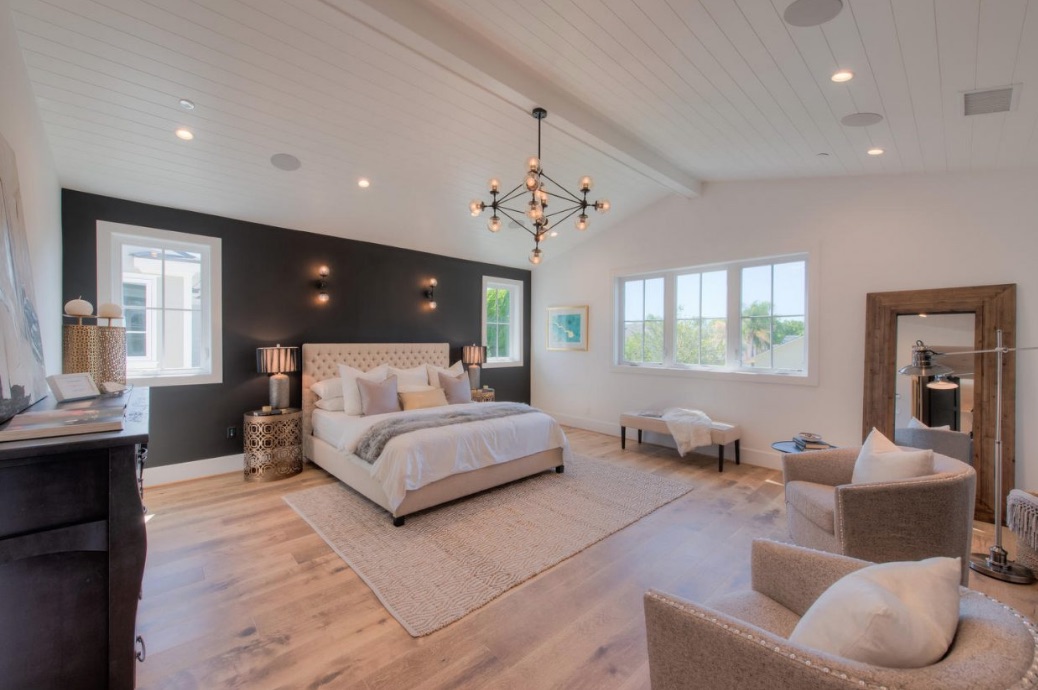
<point x="430" y="98"/>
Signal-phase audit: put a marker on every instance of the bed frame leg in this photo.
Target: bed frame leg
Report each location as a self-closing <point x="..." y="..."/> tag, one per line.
<point x="398" y="521"/>
<point x="559" y="469"/>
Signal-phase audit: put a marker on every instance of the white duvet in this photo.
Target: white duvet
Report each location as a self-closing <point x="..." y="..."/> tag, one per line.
<point x="416" y="459"/>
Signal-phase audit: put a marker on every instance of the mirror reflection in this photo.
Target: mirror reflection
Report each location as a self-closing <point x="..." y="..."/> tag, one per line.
<point x="941" y="401"/>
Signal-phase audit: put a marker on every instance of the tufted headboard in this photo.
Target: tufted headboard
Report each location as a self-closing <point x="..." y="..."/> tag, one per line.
<point x="321" y="360"/>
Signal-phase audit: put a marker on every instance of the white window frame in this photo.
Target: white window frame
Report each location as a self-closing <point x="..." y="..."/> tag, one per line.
<point x="515" y="329"/>
<point x="110" y="239"/>
<point x="732" y="370"/>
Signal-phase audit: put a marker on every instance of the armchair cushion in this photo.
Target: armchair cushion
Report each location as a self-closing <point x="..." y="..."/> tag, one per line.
<point x="816" y="502"/>
<point x="758" y="609"/>
<point x="896" y="615"/>
<point x="881" y="461"/>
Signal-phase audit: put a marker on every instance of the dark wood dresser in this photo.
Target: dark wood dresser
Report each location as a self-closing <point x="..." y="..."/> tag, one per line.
<point x="72" y="550"/>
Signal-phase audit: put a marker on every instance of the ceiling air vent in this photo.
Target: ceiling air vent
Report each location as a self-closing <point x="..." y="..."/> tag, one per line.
<point x="1000" y="100"/>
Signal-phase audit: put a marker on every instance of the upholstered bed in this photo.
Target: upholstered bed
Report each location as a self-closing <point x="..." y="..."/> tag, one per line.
<point x="320" y="362"/>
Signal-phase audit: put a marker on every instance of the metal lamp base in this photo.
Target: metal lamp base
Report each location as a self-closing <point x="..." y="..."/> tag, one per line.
<point x="474" y="377"/>
<point x="279" y="391"/>
<point x="998" y="566"/>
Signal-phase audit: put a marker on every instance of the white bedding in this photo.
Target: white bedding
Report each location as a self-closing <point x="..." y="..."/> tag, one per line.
<point x="416" y="459"/>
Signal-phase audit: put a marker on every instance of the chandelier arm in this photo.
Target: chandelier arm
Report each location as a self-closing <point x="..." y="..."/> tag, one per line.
<point x="571" y="194"/>
<point x="520" y="211"/>
<point x="518" y="222"/>
<point x="567" y="198"/>
<point x="569" y="211"/>
<point x="514" y="193"/>
<point x="565" y="217"/>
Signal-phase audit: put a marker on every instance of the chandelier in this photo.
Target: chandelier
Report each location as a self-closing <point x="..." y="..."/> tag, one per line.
<point x="541" y="189"/>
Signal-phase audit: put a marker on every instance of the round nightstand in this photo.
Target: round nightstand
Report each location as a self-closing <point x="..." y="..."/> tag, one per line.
<point x="483" y="395"/>
<point x="273" y="444"/>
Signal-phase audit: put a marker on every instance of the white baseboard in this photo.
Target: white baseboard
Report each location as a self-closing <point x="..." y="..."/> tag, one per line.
<point x="751" y="456"/>
<point x="182" y="471"/>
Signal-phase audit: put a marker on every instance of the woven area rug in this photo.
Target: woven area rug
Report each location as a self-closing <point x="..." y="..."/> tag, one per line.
<point x="449" y="561"/>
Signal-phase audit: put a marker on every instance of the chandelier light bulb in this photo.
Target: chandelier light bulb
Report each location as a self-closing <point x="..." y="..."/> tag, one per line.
<point x="582" y="222"/>
<point x="602" y="205"/>
<point x="531" y="182"/>
<point x="494" y="224"/>
<point x="494" y="184"/>
<point x="476" y="207"/>
<point x="535" y="256"/>
<point x="585" y="183"/>
<point x="535" y="213"/>
<point x="542" y="195"/>
<point x="533" y="164"/>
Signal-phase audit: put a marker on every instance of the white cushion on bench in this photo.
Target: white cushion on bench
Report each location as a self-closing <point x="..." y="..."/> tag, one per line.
<point x="721" y="433"/>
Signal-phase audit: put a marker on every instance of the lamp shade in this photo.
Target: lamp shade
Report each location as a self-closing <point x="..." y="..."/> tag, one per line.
<point x="473" y="354"/>
<point x="277" y="360"/>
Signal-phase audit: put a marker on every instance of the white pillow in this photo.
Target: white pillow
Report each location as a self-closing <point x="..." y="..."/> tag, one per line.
<point x="881" y="461"/>
<point x="350" y="392"/>
<point x="914" y="423"/>
<point x="897" y="615"/>
<point x="329" y="388"/>
<point x="410" y="377"/>
<point x="453" y="371"/>
<point x="331" y="404"/>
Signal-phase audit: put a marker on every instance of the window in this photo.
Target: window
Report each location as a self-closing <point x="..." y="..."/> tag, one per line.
<point x="168" y="284"/>
<point x="747" y="316"/>
<point x="503" y="321"/>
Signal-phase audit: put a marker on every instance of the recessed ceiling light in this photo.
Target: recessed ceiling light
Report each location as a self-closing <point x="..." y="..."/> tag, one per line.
<point x="861" y="119"/>
<point x="363" y="183"/>
<point x="811" y="12"/>
<point x="186" y="104"/>
<point x="285" y="161"/>
<point x="875" y="151"/>
<point x="842" y="76"/>
<point x="184" y="133"/>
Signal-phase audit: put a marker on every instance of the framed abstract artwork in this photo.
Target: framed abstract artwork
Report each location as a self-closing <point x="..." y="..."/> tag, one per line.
<point x="567" y="328"/>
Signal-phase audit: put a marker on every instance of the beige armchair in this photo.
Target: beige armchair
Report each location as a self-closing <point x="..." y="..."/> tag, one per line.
<point x="905" y="520"/>
<point x="740" y="640"/>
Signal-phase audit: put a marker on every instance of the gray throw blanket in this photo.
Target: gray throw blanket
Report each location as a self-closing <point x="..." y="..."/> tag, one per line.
<point x="375" y="439"/>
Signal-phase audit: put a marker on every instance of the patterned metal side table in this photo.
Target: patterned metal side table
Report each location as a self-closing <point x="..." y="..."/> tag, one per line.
<point x="273" y="444"/>
<point x="482" y="395"/>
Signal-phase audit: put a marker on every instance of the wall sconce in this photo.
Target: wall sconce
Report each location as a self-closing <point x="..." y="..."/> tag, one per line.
<point x="322" y="284"/>
<point x="430" y="293"/>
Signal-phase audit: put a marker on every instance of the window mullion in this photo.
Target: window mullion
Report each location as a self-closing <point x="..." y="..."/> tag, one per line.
<point x="733" y="323"/>
<point x="670" y="309"/>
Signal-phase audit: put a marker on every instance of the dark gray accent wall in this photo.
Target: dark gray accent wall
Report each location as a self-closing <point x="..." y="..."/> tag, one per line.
<point x="269" y="297"/>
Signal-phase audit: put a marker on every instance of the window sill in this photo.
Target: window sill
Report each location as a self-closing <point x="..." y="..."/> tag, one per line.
<point x="502" y="365"/>
<point x="809" y="379"/>
<point x="178" y="380"/>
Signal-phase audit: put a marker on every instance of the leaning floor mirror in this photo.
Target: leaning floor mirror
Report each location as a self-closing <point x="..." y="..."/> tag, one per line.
<point x="946" y="315"/>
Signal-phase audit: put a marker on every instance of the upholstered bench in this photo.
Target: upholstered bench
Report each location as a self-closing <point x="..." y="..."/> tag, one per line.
<point x="721" y="433"/>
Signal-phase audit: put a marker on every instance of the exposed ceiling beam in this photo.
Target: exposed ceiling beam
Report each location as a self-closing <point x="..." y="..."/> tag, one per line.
<point x="474" y="57"/>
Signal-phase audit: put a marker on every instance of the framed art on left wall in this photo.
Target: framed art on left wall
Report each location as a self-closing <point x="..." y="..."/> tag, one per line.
<point x="567" y="328"/>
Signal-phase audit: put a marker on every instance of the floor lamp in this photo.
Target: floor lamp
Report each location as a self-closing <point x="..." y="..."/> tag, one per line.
<point x="996" y="563"/>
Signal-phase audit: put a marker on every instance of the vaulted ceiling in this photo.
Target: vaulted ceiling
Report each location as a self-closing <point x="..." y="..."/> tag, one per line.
<point x="430" y="98"/>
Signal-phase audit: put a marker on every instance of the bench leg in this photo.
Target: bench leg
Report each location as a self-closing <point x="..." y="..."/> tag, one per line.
<point x="623" y="437"/>
<point x="398" y="521"/>
<point x="736" y="451"/>
<point x="720" y="457"/>
<point x="559" y="469"/>
<point x="639" y="435"/>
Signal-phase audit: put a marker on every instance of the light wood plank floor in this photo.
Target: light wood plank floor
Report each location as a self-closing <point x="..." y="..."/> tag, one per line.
<point x="240" y="592"/>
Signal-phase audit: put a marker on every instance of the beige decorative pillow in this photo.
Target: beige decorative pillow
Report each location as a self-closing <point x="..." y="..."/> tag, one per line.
<point x="378" y="397"/>
<point x="897" y="615"/>
<point x="881" y="461"/>
<point x="417" y="400"/>
<point x="456" y="388"/>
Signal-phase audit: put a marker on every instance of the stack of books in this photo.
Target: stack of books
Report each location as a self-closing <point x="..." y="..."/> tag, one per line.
<point x="808" y="441"/>
<point x="103" y="413"/>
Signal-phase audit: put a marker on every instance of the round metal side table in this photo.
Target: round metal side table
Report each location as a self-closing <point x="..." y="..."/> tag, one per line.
<point x="273" y="444"/>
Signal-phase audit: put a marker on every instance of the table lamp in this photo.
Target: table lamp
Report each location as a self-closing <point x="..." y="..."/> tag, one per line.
<point x="472" y="356"/>
<point x="277" y="361"/>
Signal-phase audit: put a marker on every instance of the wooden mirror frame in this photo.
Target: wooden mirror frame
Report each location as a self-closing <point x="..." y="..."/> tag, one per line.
<point x="994" y="307"/>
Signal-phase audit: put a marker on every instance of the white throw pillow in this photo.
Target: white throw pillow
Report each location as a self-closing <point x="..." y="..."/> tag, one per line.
<point x="881" y="461"/>
<point x="416" y="376"/>
<point x="897" y="615"/>
<point x="914" y="423"/>
<point x="350" y="392"/>
<point x="329" y="388"/>
<point x="453" y="371"/>
<point x="331" y="404"/>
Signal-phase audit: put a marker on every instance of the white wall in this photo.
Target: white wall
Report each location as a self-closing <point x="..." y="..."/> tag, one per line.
<point x="21" y="126"/>
<point x="867" y="234"/>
